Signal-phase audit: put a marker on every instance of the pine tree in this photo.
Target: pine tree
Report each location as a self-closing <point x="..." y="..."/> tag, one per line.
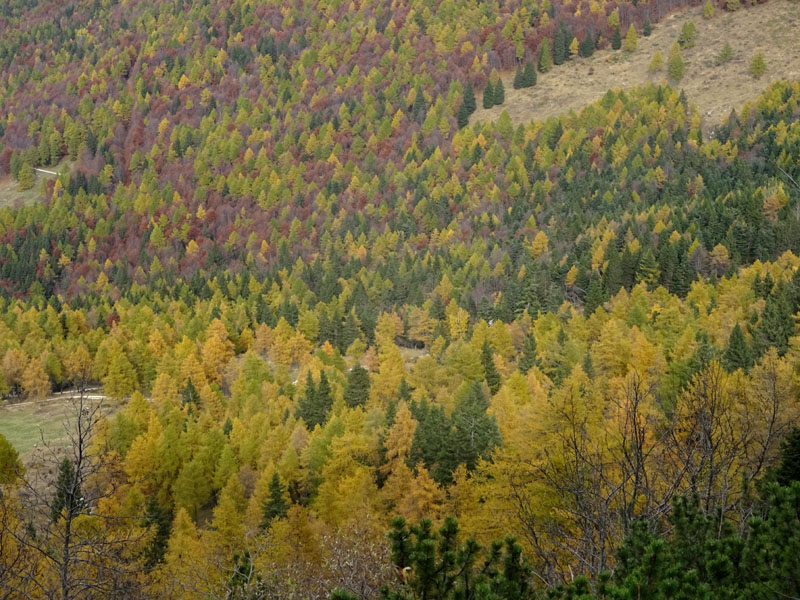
<point x="25" y="176"/>
<point x="586" y="48"/>
<point x="675" y="66"/>
<point x="737" y="353"/>
<point x="647" y="29"/>
<point x="616" y="39"/>
<point x="499" y="93"/>
<point x="68" y="498"/>
<point x="488" y="95"/>
<point x="708" y="10"/>
<point x="559" y="46"/>
<point x="758" y="66"/>
<point x="596" y="295"/>
<point x="529" y="75"/>
<point x="630" y="39"/>
<point x="489" y="368"/>
<point x="469" y="99"/>
<point x="528" y="359"/>
<point x="462" y="118"/>
<point x="190" y="397"/>
<point x="357" y="391"/>
<point x="788" y="469"/>
<point x="275" y="506"/>
<point x="161" y="521"/>
<point x="657" y="63"/>
<point x="474" y="433"/>
<point x="545" y="57"/>
<point x="518" y="78"/>
<point x="647" y="271"/>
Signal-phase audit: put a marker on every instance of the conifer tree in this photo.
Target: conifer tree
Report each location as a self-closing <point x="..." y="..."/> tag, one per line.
<point x="68" y="497"/>
<point x="545" y="56"/>
<point x="25" y="176"/>
<point x="190" y="397"/>
<point x="474" y="433"/>
<point x="469" y="99"/>
<point x="630" y="39"/>
<point x="616" y="39"/>
<point x="489" y="368"/>
<point x="529" y="75"/>
<point x="357" y="391"/>
<point x="559" y="47"/>
<point x="675" y="66"/>
<point x="499" y="93"/>
<point x="462" y="118"/>
<point x="528" y="359"/>
<point x="647" y="29"/>
<point x="518" y="78"/>
<point x="737" y="353"/>
<point x="275" y="506"/>
<point x="488" y="95"/>
<point x="657" y="63"/>
<point x="586" y="48"/>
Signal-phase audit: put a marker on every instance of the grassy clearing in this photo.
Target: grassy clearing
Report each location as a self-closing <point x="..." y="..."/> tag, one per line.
<point x="25" y="424"/>
<point x="771" y="28"/>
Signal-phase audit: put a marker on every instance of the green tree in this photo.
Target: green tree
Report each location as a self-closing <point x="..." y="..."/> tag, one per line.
<point x="688" y="35"/>
<point x="488" y="95"/>
<point x="528" y="359"/>
<point x="489" y="368"/>
<point x="10" y="467"/>
<point x="462" y="117"/>
<point x="518" y="78"/>
<point x="469" y="99"/>
<point x="708" y="10"/>
<point x="545" y="56"/>
<point x="529" y="75"/>
<point x="25" y="176"/>
<point x="586" y="48"/>
<point x="647" y="29"/>
<point x="630" y="39"/>
<point x="559" y="47"/>
<point x="737" y="354"/>
<point x="358" y="383"/>
<point x="725" y="54"/>
<point x="499" y="93"/>
<point x="474" y="433"/>
<point x="275" y="506"/>
<point x="675" y="66"/>
<point x="616" y="39"/>
<point x="68" y="499"/>
<point x="758" y="65"/>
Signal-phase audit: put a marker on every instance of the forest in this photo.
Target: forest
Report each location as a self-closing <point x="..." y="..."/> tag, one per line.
<point x="329" y="336"/>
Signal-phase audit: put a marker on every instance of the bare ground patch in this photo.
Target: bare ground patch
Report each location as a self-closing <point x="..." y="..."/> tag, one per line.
<point x="772" y="28"/>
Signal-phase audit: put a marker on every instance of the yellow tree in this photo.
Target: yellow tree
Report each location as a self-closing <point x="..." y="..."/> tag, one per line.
<point x="35" y="381"/>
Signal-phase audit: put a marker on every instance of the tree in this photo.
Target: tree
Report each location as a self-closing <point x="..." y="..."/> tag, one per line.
<point x="435" y="564"/>
<point x="630" y="39"/>
<point x="688" y="35"/>
<point x="488" y="95"/>
<point x="469" y="99"/>
<point x="725" y="54"/>
<point x="529" y="75"/>
<point x="77" y="546"/>
<point x="675" y="66"/>
<point x="545" y="56"/>
<point x="758" y="65"/>
<point x="657" y="63"/>
<point x="737" y="353"/>
<point x="474" y="433"/>
<point x="647" y="29"/>
<point x="489" y="369"/>
<point x="708" y="10"/>
<point x="25" y="176"/>
<point x="518" y="78"/>
<point x="559" y="47"/>
<point x="528" y="359"/>
<point x="499" y="93"/>
<point x="586" y="48"/>
<point x="35" y="381"/>
<point x="358" y="383"/>
<point x="616" y="39"/>
<point x="462" y="117"/>
<point x="275" y="506"/>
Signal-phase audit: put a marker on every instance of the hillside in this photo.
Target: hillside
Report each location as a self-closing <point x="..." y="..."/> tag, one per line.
<point x="345" y="343"/>
<point x="716" y="89"/>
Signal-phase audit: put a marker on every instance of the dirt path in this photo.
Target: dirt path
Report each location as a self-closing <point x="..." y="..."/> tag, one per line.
<point x="772" y="28"/>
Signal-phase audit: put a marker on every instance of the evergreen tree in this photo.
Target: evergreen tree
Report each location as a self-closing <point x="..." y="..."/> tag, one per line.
<point x="469" y="99"/>
<point x="586" y="48"/>
<point x="596" y="295"/>
<point x="190" y="396"/>
<point x="675" y="66"/>
<point x="528" y="359"/>
<point x="488" y="95"/>
<point x="545" y="56"/>
<point x="499" y="93"/>
<point x="161" y="520"/>
<point x="518" y="78"/>
<point x="462" y="118"/>
<point x="647" y="271"/>
<point x="788" y="469"/>
<point x="559" y="47"/>
<point x="275" y="506"/>
<point x="358" y="383"/>
<point x="25" y="176"/>
<point x="529" y="75"/>
<point x="474" y="433"/>
<point x="489" y="368"/>
<point x="777" y="322"/>
<point x="616" y="39"/>
<point x="68" y="498"/>
<point x="647" y="29"/>
<point x="630" y="39"/>
<point x="737" y="353"/>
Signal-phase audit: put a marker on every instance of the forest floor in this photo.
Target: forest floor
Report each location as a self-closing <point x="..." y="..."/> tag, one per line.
<point x="26" y="424"/>
<point x="772" y="28"/>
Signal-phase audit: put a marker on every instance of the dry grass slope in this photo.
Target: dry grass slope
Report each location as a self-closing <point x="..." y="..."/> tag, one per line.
<point x="772" y="28"/>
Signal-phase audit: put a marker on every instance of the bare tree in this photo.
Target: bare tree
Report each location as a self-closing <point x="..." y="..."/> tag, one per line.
<point x="58" y="518"/>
